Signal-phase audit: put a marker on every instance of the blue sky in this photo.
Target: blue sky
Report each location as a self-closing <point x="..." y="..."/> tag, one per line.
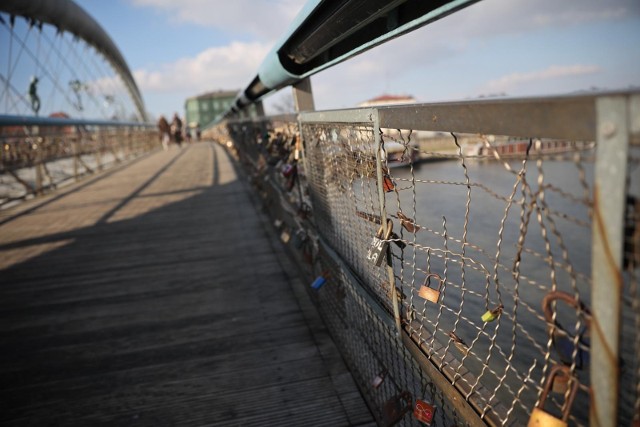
<point x="513" y="47"/>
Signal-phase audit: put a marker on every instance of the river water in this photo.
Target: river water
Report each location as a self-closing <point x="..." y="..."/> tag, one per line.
<point x="554" y="228"/>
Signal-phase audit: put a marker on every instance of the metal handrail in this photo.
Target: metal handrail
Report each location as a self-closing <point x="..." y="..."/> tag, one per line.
<point x="13" y="120"/>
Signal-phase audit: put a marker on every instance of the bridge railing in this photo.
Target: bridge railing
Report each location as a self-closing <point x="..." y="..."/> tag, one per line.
<point x="513" y="256"/>
<point x="42" y="153"/>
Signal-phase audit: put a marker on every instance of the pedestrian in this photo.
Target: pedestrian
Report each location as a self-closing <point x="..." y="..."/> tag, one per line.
<point x="165" y="132"/>
<point x="176" y="128"/>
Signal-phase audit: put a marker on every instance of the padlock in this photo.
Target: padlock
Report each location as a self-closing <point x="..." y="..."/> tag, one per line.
<point x="395" y="408"/>
<point x="562" y="342"/>
<point x="459" y="343"/>
<point x="287" y="170"/>
<point x="408" y="223"/>
<point x="318" y="282"/>
<point x="540" y="418"/>
<point x="492" y="315"/>
<point x="285" y="236"/>
<point x="387" y="183"/>
<point x="428" y="293"/>
<point x="379" y="247"/>
<point x="378" y="380"/>
<point x="399" y="243"/>
<point x="424" y="412"/>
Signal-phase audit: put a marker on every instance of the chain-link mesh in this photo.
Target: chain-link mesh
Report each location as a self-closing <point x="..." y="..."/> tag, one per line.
<point x="34" y="158"/>
<point x="490" y="254"/>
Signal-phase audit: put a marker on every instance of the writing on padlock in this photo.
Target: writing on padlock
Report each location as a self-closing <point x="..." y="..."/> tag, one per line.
<point x="424" y="412"/>
<point x="492" y="315"/>
<point x="395" y="408"/>
<point x="429" y="293"/>
<point x="541" y="418"/>
<point x="379" y="246"/>
<point x="563" y="343"/>
<point x="407" y="223"/>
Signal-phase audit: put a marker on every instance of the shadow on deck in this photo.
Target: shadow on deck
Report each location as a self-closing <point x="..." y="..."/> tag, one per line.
<point x="155" y="296"/>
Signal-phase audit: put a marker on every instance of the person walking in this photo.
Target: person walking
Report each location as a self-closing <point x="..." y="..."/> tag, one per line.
<point x="176" y="128"/>
<point x="165" y="132"/>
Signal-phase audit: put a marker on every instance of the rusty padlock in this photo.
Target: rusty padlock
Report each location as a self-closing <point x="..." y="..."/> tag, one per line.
<point x="563" y="342"/>
<point x="424" y="412"/>
<point x="429" y="293"/>
<point x="408" y="224"/>
<point x="387" y="183"/>
<point x="379" y="246"/>
<point x="492" y="315"/>
<point x="395" y="408"/>
<point x="459" y="343"/>
<point x="541" y="418"/>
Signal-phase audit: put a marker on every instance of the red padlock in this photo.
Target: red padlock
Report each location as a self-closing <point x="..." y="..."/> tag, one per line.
<point x="424" y="412"/>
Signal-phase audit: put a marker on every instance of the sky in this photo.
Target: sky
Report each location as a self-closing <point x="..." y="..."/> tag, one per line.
<point x="515" y="48"/>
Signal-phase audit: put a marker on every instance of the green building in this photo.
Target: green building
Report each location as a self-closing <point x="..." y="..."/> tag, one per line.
<point x="203" y="109"/>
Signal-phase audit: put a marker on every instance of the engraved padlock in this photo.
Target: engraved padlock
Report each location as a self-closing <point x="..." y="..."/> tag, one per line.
<point x="429" y="293"/>
<point x="424" y="412"/>
<point x="395" y="408"/>
<point x="492" y="315"/>
<point x="562" y="342"/>
<point x="541" y="418"/>
<point x="378" y="248"/>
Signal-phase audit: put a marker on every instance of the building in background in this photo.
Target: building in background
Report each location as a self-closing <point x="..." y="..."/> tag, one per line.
<point x="203" y="109"/>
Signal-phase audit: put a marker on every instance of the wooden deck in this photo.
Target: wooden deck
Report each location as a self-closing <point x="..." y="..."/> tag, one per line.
<point x="154" y="295"/>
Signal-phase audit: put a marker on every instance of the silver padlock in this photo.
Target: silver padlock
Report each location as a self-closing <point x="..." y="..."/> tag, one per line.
<point x="379" y="246"/>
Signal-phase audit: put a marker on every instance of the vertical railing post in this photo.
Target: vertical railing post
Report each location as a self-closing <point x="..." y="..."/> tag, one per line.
<point x="76" y="153"/>
<point x="612" y="136"/>
<point x="303" y="96"/>
<point x="383" y="216"/>
<point x="303" y="101"/>
<point x="39" y="159"/>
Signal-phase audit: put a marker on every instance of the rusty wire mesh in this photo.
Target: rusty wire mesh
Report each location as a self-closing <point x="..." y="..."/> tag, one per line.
<point x="502" y="225"/>
<point x="33" y="159"/>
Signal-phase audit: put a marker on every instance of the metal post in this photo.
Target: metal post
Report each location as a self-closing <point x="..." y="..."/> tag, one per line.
<point x="76" y="153"/>
<point x="612" y="135"/>
<point x="383" y="215"/>
<point x="303" y="96"/>
<point x="39" y="160"/>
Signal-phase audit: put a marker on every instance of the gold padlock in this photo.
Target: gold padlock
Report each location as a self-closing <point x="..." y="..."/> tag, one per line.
<point x="540" y="418"/>
<point x="428" y="293"/>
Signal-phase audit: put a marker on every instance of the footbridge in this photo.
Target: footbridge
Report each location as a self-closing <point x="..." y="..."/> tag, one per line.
<point x="468" y="263"/>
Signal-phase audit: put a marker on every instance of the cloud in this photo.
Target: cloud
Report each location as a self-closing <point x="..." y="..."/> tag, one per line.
<point x="226" y="67"/>
<point x="267" y="19"/>
<point x="498" y="17"/>
<point x="511" y="81"/>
